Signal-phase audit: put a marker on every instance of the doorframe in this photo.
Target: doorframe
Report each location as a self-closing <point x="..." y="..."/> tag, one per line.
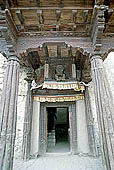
<point x="72" y="125"/>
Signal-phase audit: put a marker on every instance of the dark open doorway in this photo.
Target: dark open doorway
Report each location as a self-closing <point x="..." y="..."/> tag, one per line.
<point x="58" y="129"/>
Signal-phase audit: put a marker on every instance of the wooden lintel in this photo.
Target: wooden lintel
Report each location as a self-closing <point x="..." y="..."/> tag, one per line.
<point x="40" y="16"/>
<point x="20" y="16"/>
<point x="11" y="22"/>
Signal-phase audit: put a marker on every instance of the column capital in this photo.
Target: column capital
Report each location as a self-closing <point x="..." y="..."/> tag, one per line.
<point x="95" y="55"/>
<point x="13" y="57"/>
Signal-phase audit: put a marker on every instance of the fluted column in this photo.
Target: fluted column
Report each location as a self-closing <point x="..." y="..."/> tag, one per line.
<point x="8" y="113"/>
<point x="105" y="110"/>
<point x="27" y="118"/>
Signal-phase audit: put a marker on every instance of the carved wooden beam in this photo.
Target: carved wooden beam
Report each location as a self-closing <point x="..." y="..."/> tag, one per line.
<point x="58" y="15"/>
<point x="40" y="16"/>
<point x="11" y="22"/>
<point x="20" y="16"/>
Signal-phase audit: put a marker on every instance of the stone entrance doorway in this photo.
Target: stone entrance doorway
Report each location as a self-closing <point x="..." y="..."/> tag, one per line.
<point x="58" y="136"/>
<point x="68" y="126"/>
<point x="69" y="112"/>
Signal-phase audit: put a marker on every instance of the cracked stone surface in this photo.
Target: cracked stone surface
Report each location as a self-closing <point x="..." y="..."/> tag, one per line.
<point x="60" y="162"/>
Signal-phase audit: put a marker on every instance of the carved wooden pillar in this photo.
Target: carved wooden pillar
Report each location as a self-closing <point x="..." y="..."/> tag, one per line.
<point x="28" y="118"/>
<point x="8" y="113"/>
<point x="105" y="110"/>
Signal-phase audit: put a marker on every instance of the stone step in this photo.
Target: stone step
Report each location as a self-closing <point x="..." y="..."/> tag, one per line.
<point x="51" y="145"/>
<point x="51" y="137"/>
<point x="51" y="140"/>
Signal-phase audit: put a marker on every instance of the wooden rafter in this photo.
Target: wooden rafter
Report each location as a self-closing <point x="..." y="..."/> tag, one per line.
<point x="11" y="22"/>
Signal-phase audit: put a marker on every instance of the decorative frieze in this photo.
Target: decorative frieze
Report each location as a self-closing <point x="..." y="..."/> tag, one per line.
<point x="59" y="98"/>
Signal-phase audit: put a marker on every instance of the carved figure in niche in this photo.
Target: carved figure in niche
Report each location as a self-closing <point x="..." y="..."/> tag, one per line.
<point x="59" y="73"/>
<point x="39" y="75"/>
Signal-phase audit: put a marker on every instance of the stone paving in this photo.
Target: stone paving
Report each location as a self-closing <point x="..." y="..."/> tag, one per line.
<point x="60" y="162"/>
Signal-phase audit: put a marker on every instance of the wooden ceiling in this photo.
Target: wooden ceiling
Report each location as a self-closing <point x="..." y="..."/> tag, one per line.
<point x="51" y="15"/>
<point x="70" y="17"/>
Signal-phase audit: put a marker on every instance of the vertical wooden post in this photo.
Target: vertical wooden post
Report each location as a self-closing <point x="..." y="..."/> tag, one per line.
<point x="8" y="112"/>
<point x="28" y="118"/>
<point x="105" y="109"/>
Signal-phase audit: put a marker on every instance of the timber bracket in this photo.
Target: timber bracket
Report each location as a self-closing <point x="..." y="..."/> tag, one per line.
<point x="7" y="35"/>
<point x="98" y="26"/>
